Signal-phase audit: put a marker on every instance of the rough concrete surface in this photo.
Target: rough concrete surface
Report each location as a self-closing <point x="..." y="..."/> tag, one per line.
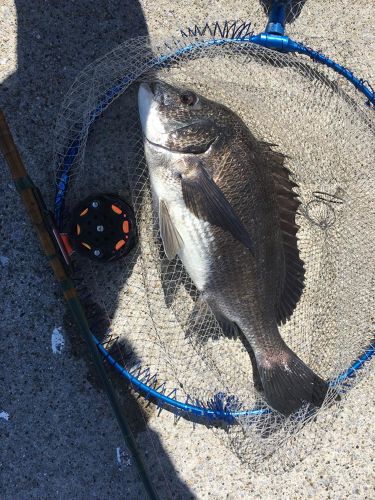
<point x="58" y="438"/>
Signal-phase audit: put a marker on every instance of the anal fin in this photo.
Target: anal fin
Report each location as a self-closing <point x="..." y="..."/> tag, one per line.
<point x="232" y="330"/>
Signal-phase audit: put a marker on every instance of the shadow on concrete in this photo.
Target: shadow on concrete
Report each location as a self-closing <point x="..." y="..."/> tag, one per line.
<point x="55" y="40"/>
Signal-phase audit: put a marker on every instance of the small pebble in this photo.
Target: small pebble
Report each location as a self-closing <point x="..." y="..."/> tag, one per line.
<point x="4" y="261"/>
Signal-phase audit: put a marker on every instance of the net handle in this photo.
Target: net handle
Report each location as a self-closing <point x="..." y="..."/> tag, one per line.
<point x="277" y="17"/>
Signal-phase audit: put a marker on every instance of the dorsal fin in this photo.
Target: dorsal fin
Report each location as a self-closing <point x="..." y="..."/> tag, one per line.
<point x="292" y="283"/>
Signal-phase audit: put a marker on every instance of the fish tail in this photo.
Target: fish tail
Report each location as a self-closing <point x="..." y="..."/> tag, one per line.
<point x="288" y="382"/>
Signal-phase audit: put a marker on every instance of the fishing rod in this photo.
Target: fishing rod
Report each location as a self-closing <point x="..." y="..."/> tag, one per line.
<point x="54" y="249"/>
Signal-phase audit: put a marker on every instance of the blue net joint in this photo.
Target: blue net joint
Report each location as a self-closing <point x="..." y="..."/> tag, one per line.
<point x="276" y="42"/>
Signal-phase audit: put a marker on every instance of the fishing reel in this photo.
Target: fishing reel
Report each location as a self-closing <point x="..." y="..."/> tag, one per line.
<point x="103" y="228"/>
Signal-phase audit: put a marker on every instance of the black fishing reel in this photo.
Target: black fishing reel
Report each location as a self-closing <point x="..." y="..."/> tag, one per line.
<point x="103" y="228"/>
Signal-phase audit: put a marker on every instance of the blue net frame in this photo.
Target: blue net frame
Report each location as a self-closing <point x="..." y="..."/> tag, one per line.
<point x="220" y="407"/>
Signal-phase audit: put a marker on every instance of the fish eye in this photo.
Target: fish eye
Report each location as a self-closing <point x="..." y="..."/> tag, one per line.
<point x="188" y="98"/>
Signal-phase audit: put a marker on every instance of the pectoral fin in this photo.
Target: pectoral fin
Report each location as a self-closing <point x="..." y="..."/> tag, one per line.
<point x="206" y="200"/>
<point x="170" y="236"/>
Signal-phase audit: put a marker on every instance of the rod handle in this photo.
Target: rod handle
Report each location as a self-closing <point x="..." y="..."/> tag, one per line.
<point x="10" y="151"/>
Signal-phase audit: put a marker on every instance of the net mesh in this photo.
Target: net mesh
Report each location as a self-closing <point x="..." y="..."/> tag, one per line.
<point x="292" y="10"/>
<point x="327" y="134"/>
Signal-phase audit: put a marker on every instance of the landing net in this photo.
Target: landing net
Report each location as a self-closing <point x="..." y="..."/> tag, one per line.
<point x="322" y="125"/>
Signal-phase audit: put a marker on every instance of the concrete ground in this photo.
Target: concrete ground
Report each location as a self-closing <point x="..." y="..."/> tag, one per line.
<point x="58" y="438"/>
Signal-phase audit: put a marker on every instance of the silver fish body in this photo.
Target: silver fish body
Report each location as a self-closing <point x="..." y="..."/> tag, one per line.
<point x="227" y="209"/>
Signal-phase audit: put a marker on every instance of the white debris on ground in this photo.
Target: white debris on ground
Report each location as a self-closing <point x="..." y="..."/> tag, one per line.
<point x="57" y="341"/>
<point x="122" y="457"/>
<point x="4" y="415"/>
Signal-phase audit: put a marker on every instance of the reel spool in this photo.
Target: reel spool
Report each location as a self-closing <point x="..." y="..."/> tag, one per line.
<point x="103" y="228"/>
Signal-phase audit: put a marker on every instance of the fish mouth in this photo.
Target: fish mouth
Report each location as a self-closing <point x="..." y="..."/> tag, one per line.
<point x="148" y="89"/>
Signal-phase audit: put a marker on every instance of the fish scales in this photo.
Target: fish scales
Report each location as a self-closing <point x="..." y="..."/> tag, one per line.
<point x="227" y="208"/>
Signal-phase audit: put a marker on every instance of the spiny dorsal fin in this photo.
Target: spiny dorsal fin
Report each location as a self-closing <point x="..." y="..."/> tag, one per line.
<point x="288" y="203"/>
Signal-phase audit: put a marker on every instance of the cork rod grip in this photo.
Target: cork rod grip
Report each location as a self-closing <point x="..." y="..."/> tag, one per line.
<point x="10" y="151"/>
<point x="27" y="191"/>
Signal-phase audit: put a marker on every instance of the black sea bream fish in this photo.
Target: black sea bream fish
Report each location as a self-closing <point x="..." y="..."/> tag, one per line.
<point x="227" y="209"/>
